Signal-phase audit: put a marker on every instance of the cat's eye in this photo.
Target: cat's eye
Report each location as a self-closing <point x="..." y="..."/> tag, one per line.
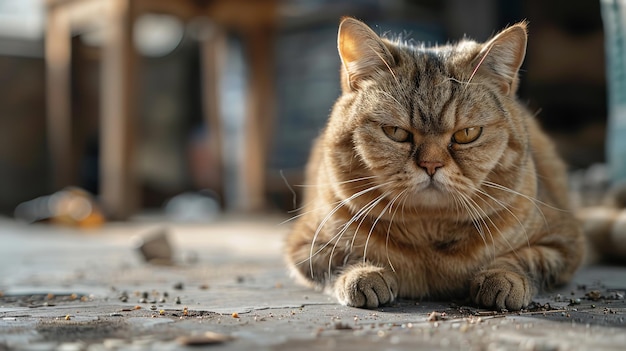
<point x="397" y="134"/>
<point x="467" y="135"/>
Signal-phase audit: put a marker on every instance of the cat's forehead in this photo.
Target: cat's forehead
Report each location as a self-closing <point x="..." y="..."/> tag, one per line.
<point x="427" y="75"/>
<point x="433" y="91"/>
<point x="427" y="85"/>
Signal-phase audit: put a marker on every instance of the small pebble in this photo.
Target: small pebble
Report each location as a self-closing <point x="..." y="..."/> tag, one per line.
<point x="435" y="316"/>
<point x="111" y="344"/>
<point x="71" y="346"/>
<point x="594" y="295"/>
<point x="177" y="300"/>
<point x="208" y="338"/>
<point x="338" y="325"/>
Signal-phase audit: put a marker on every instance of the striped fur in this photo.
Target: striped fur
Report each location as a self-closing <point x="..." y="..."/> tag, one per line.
<point x="399" y="203"/>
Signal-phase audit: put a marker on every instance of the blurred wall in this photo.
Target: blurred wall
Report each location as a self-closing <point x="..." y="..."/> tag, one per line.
<point x="23" y="158"/>
<point x="562" y="79"/>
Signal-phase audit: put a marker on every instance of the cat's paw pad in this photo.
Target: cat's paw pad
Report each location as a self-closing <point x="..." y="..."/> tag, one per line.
<point x="367" y="287"/>
<point x="501" y="289"/>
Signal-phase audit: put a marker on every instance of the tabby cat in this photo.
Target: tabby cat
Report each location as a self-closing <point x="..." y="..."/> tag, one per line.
<point x="431" y="180"/>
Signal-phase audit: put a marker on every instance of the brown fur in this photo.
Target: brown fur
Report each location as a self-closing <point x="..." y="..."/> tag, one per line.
<point x="492" y="222"/>
<point x="605" y="227"/>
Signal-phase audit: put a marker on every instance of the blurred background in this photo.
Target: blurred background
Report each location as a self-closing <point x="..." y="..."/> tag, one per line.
<point x="161" y="105"/>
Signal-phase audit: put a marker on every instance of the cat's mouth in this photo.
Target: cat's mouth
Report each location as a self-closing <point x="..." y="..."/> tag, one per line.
<point x="430" y="193"/>
<point x="436" y="188"/>
<point x="431" y="184"/>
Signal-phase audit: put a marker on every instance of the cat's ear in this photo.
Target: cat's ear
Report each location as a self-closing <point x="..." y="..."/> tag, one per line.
<point x="502" y="56"/>
<point x="363" y="53"/>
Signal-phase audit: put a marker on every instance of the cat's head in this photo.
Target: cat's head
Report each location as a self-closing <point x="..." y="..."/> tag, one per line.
<point x="431" y="123"/>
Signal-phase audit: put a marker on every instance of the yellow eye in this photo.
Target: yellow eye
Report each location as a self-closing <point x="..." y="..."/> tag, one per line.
<point x="397" y="134"/>
<point x="467" y="135"/>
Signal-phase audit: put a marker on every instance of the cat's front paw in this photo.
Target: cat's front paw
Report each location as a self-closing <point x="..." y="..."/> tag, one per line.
<point x="366" y="286"/>
<point x="501" y="289"/>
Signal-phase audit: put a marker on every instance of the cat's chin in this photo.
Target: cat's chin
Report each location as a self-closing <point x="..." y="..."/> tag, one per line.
<point x="430" y="196"/>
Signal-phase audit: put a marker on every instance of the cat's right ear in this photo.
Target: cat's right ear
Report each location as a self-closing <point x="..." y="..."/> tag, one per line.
<point x="363" y="54"/>
<point x="502" y="57"/>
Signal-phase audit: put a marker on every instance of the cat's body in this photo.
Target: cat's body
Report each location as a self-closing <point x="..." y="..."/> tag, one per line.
<point x="431" y="180"/>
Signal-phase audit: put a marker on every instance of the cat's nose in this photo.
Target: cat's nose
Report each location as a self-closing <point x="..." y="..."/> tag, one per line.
<point x="430" y="166"/>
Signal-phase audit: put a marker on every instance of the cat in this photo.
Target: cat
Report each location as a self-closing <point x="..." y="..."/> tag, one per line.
<point x="604" y="225"/>
<point x="430" y="180"/>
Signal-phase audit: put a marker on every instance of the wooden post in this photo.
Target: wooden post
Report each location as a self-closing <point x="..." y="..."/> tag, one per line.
<point x="118" y="186"/>
<point x="58" y="96"/>
<point x="259" y="117"/>
<point x="212" y="55"/>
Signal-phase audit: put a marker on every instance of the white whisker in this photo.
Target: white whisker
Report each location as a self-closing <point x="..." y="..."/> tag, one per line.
<point x="324" y="207"/>
<point x="504" y="206"/>
<point x="389" y="229"/>
<point x="474" y="212"/>
<point x="362" y="212"/>
<point x="533" y="200"/>
<point x="336" y="183"/>
<point x="369" y="234"/>
<point x="342" y="203"/>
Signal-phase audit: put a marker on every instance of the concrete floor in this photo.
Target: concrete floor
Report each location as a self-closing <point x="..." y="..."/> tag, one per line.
<point x="66" y="289"/>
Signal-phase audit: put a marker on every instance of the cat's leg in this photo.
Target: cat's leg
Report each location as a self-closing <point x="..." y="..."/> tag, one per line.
<point x="366" y="285"/>
<point x="329" y="265"/>
<point x="502" y="286"/>
<point x="336" y="272"/>
<point x="511" y="281"/>
<point x="309" y="264"/>
<point x="315" y="260"/>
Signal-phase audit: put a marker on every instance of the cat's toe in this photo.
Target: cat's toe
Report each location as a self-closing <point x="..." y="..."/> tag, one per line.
<point x="367" y="287"/>
<point x="501" y="289"/>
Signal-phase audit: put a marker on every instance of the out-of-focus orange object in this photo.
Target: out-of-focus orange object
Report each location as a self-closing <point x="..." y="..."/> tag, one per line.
<point x="71" y="206"/>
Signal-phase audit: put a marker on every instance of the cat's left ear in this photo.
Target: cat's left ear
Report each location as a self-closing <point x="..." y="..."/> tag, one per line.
<point x="502" y="56"/>
<point x="363" y="54"/>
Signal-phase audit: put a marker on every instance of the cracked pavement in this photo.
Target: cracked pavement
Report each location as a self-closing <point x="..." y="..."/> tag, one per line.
<point x="70" y="289"/>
